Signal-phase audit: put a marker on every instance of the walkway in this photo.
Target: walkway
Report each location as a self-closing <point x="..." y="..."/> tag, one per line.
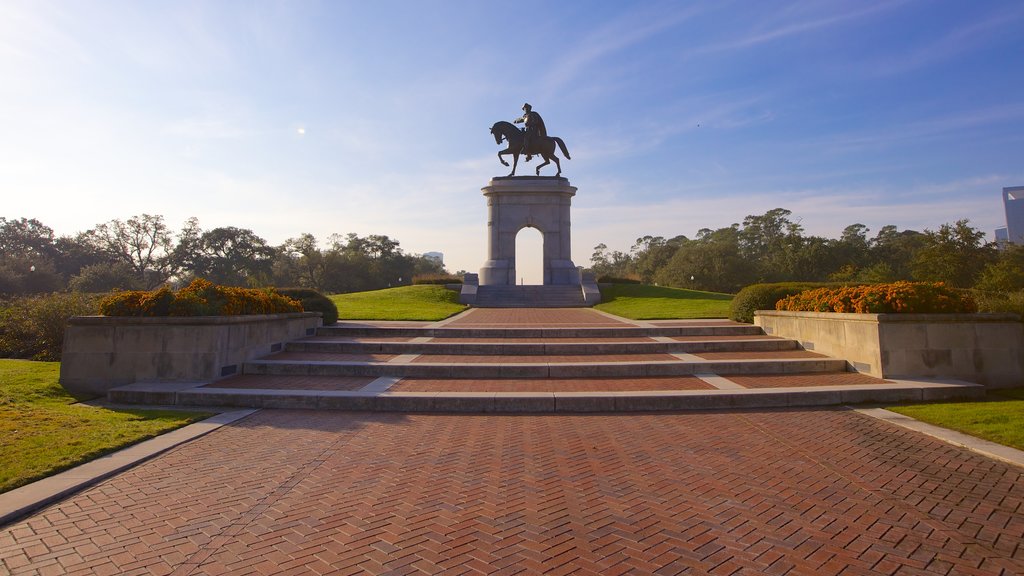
<point x="764" y="491"/>
<point x="826" y="491"/>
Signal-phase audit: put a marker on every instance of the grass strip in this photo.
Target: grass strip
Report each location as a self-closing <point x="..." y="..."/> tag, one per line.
<point x="424" y="302"/>
<point x="644" y="302"/>
<point x="999" y="417"/>
<point x="44" y="432"/>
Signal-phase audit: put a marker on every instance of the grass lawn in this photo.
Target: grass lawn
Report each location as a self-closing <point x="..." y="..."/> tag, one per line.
<point x="643" y="302"/>
<point x="998" y="418"/>
<point x="43" y="432"/>
<point x="424" y="302"/>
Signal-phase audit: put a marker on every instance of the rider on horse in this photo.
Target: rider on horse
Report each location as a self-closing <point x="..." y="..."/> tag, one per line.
<point x="535" y="129"/>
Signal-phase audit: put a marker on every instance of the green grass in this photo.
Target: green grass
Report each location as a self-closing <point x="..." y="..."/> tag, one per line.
<point x="998" y="418"/>
<point x="423" y="302"/>
<point x="643" y="302"/>
<point x="43" y="431"/>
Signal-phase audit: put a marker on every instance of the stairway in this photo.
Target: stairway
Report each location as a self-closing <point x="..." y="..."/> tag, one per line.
<point x="569" y="296"/>
<point x="615" y="366"/>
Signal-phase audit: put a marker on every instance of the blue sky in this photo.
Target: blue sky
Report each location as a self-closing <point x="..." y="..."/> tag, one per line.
<point x="373" y="117"/>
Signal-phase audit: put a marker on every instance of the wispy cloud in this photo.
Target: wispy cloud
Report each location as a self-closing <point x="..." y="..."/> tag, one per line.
<point x="774" y="31"/>
<point x="953" y="124"/>
<point x="614" y="37"/>
<point x="958" y="41"/>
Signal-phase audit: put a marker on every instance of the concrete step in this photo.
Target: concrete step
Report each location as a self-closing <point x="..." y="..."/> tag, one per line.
<point x="529" y="297"/>
<point x="369" y="331"/>
<point x="367" y="400"/>
<point x="553" y="348"/>
<point x="542" y="370"/>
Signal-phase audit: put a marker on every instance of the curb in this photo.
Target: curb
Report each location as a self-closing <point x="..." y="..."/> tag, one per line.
<point x="381" y="400"/>
<point x="978" y="445"/>
<point x="22" y="501"/>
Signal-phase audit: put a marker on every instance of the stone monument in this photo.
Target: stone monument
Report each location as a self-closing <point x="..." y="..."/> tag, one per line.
<point x="518" y="202"/>
<point x="540" y="202"/>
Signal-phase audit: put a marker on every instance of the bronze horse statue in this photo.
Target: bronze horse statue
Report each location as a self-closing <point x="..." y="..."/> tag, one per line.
<point x="541" y="146"/>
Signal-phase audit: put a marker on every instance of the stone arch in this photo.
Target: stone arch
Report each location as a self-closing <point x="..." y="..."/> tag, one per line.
<point x="528" y="201"/>
<point x="529" y="255"/>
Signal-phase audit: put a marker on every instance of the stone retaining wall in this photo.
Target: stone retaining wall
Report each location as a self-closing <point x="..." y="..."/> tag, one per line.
<point x="983" y="348"/>
<point x="102" y="352"/>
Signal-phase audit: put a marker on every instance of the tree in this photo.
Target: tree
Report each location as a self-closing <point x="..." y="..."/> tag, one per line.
<point x="142" y="242"/>
<point x="892" y="255"/>
<point x="711" y="262"/>
<point x="1005" y="274"/>
<point x="603" y="263"/>
<point x="27" y="257"/>
<point x="955" y="254"/>
<point x="233" y="257"/>
<point x="651" y="253"/>
<point x="769" y="244"/>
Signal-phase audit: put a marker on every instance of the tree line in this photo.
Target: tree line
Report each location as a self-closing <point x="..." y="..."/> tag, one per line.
<point x="142" y="253"/>
<point x="772" y="247"/>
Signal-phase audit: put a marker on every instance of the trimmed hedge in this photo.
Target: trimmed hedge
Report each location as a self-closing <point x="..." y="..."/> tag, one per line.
<point x="617" y="280"/>
<point x="897" y="297"/>
<point x="764" y="297"/>
<point x="313" y="301"/>
<point x="200" y="298"/>
<point x="436" y="279"/>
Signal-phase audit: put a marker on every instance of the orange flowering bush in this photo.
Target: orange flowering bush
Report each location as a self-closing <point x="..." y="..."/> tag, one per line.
<point x="896" y="297"/>
<point x="200" y="298"/>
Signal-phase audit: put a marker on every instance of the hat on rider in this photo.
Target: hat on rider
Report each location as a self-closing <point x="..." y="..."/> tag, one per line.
<point x="527" y="107"/>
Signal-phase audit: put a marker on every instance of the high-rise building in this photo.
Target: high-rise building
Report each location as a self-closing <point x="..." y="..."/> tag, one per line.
<point x="435" y="256"/>
<point x="1013" y="202"/>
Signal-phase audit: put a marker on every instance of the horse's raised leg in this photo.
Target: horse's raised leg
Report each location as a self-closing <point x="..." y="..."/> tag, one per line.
<point x="502" y="160"/>
<point x="547" y="160"/>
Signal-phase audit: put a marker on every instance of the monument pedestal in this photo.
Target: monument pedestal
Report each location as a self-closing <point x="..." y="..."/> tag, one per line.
<point x="517" y="202"/>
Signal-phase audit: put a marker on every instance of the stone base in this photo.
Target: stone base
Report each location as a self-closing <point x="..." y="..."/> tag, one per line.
<point x="528" y="201"/>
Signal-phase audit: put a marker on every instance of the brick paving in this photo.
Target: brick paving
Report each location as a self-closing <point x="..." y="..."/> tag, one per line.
<point x="759" y="492"/>
<point x="552" y="385"/>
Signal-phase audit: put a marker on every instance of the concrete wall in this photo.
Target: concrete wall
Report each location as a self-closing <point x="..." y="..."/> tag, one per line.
<point x="983" y="348"/>
<point x="101" y="352"/>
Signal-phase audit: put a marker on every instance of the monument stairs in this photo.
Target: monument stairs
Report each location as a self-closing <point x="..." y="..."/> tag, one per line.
<point x="566" y="296"/>
<point x="539" y="360"/>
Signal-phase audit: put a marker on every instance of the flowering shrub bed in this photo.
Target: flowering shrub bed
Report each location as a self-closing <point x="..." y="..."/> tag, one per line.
<point x="200" y="298"/>
<point x="438" y="279"/>
<point x="897" y="297"/>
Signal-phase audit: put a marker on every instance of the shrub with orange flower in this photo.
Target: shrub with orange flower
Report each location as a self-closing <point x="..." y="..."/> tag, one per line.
<point x="896" y="297"/>
<point x="200" y="298"/>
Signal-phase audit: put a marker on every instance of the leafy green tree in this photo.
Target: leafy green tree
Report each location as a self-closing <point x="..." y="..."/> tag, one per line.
<point x="1006" y="274"/>
<point x="27" y="257"/>
<point x="104" y="277"/>
<point x="892" y="254"/>
<point x="711" y="262"/>
<point x="955" y="254"/>
<point x="651" y="253"/>
<point x="605" y="263"/>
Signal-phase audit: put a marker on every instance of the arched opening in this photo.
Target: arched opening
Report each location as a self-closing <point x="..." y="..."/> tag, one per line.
<point x="529" y="256"/>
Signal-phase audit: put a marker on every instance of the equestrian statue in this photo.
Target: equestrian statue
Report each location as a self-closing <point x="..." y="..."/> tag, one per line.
<point x="531" y="141"/>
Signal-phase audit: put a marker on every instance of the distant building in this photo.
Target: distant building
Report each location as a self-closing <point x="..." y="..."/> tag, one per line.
<point x="1013" y="202"/>
<point x="435" y="256"/>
